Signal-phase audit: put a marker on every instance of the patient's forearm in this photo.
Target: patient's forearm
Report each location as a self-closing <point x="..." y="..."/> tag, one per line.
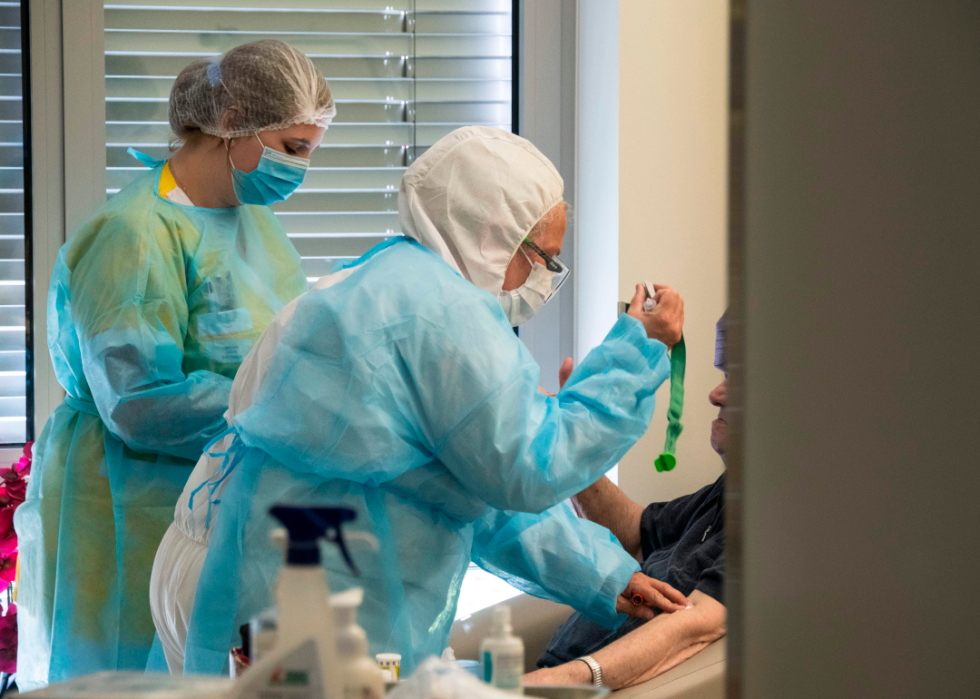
<point x="605" y="504"/>
<point x="655" y="647"/>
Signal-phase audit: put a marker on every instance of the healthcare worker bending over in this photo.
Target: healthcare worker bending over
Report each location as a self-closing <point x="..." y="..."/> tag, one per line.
<point x="153" y="305"/>
<point x="396" y="386"/>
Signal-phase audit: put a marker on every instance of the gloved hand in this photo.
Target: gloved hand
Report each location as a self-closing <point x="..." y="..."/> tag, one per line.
<point x="666" y="321"/>
<point x="655" y="594"/>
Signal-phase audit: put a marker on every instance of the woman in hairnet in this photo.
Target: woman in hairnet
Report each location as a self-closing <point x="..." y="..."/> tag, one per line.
<point x="396" y="386"/>
<point x="153" y="305"/>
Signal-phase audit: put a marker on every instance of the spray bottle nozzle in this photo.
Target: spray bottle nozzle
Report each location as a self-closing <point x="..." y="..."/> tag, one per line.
<point x="307" y="525"/>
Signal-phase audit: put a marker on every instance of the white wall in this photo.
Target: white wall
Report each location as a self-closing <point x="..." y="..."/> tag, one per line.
<point x="673" y="92"/>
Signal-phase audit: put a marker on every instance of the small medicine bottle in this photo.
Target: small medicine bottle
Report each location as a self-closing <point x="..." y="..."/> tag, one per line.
<point x="391" y="662"/>
<point x="502" y="655"/>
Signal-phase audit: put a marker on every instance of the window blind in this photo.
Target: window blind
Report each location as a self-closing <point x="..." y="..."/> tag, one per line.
<point x="403" y="74"/>
<point x="14" y="357"/>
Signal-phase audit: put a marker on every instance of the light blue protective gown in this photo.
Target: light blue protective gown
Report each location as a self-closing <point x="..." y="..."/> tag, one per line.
<point x="152" y="307"/>
<point x="403" y="392"/>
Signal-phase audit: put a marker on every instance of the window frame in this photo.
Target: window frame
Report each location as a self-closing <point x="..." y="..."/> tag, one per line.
<point x="548" y="76"/>
<point x="11" y="450"/>
<point x="27" y="131"/>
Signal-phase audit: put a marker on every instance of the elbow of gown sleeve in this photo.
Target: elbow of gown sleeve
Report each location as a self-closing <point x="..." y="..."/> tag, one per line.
<point x="522" y="450"/>
<point x="146" y="400"/>
<point x="179" y="419"/>
<point x="557" y="556"/>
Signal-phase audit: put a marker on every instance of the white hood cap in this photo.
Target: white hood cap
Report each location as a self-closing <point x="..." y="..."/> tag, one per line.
<point x="472" y="198"/>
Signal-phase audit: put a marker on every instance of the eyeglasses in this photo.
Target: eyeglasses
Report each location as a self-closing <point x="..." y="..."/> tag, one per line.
<point x="552" y="264"/>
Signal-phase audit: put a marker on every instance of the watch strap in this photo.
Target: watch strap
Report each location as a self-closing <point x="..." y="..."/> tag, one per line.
<point x="595" y="668"/>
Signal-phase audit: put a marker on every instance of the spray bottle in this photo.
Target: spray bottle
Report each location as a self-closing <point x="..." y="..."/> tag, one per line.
<point x="303" y="664"/>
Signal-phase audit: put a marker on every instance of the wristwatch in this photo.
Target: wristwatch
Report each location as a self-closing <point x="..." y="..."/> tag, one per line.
<point x="595" y="668"/>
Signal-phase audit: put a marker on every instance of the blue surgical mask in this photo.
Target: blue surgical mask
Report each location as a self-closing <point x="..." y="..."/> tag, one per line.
<point x="275" y="177"/>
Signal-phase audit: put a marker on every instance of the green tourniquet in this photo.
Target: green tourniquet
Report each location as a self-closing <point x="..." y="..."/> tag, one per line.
<point x="678" y="362"/>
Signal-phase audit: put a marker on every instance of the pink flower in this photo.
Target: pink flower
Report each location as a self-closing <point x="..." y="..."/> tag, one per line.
<point x="8" y="568"/>
<point x="5" y="499"/>
<point x="8" y="640"/>
<point x="16" y="491"/>
<point x="14" y="485"/>
<point x="23" y="465"/>
<point x="8" y="537"/>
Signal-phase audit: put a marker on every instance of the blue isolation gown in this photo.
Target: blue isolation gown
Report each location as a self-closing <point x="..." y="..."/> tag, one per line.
<point x="402" y="391"/>
<point x="152" y="307"/>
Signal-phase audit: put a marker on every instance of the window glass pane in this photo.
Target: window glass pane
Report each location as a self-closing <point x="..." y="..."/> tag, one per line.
<point x="15" y="428"/>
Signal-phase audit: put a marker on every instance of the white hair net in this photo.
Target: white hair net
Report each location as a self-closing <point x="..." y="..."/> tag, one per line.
<point x="474" y="196"/>
<point x="266" y="85"/>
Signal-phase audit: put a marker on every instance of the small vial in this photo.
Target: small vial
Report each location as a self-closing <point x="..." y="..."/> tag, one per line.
<point x="391" y="662"/>
<point x="649" y="304"/>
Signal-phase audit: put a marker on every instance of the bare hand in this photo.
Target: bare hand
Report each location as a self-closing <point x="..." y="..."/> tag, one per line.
<point x="564" y="372"/>
<point x="666" y="321"/>
<point x="656" y="595"/>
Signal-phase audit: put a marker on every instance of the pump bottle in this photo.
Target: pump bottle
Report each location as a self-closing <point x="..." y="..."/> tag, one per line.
<point x="362" y="676"/>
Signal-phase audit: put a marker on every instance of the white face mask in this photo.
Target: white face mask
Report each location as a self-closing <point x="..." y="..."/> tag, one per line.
<point x="522" y="303"/>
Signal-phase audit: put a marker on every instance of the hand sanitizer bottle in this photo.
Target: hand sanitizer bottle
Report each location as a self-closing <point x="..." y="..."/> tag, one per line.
<point x="362" y="676"/>
<point x="502" y="655"/>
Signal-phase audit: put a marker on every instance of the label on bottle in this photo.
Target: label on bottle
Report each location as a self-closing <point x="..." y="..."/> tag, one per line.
<point x="505" y="670"/>
<point x="297" y="677"/>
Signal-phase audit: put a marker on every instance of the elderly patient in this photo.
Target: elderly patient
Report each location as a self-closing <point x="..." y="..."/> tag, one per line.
<point x="680" y="542"/>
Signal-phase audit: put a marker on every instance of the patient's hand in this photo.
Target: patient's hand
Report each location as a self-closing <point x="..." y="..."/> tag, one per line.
<point x="656" y="595"/>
